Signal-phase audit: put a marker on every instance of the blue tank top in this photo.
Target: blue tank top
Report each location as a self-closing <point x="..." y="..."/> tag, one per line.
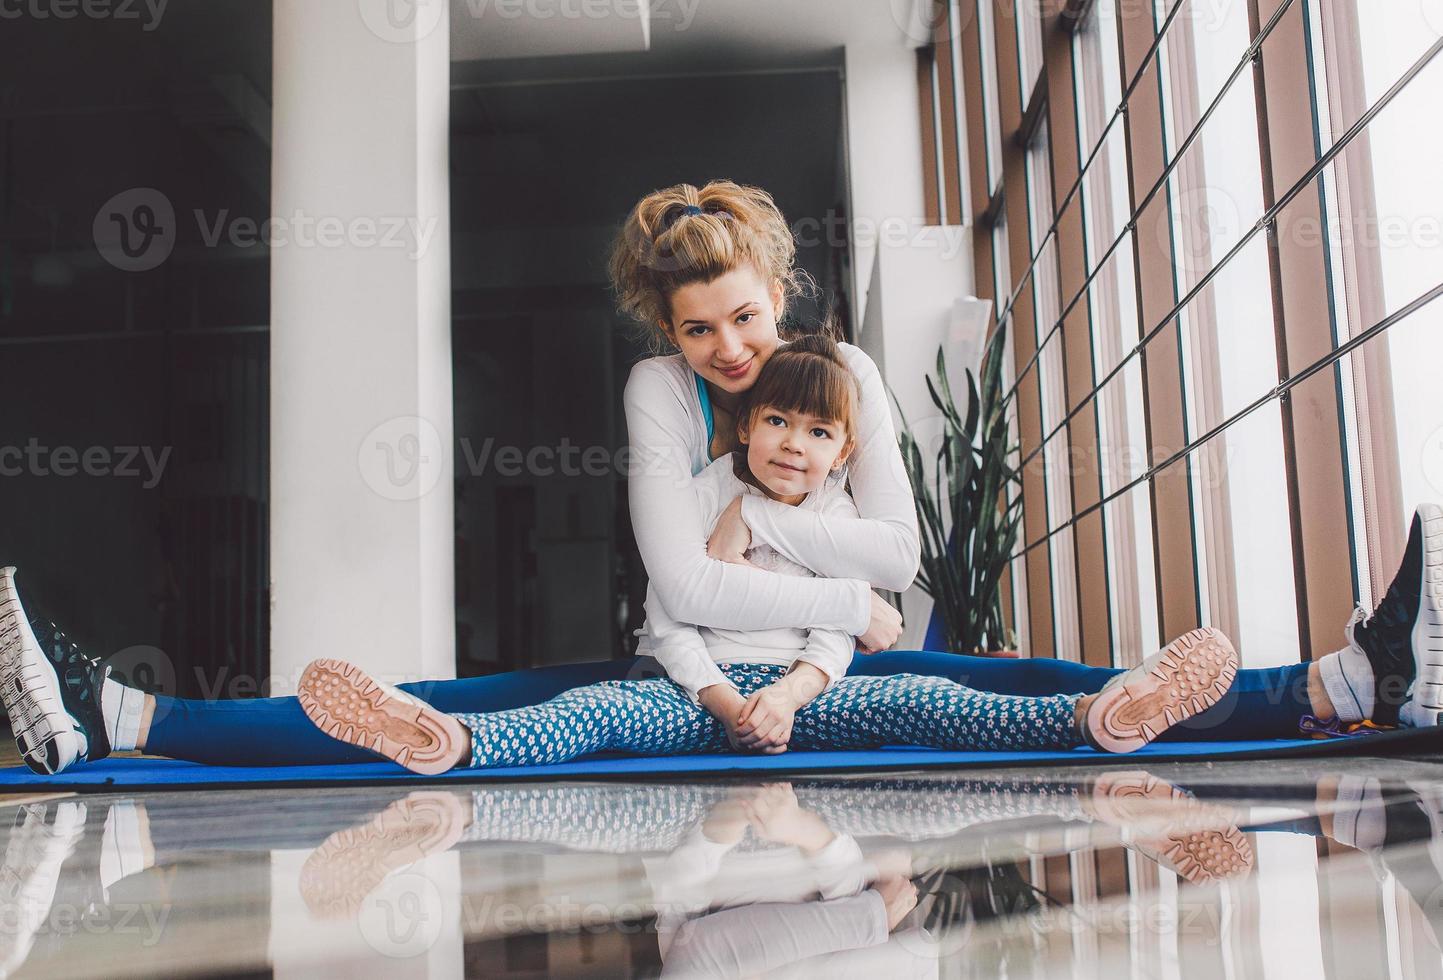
<point x="705" y="399"/>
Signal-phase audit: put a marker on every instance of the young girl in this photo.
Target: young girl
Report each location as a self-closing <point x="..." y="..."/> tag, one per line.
<point x="770" y="689"/>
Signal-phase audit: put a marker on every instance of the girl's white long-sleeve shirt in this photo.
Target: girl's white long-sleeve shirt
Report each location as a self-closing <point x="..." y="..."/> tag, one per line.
<point x="669" y="443"/>
<point x="691" y="655"/>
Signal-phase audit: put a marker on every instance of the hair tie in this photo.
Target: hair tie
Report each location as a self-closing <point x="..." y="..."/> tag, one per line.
<point x="692" y="209"/>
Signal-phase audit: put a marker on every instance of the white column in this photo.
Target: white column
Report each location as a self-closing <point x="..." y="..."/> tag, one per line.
<point x="361" y="415"/>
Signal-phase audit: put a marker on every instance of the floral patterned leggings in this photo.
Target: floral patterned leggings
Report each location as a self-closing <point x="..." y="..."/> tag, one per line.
<point x="655" y="717"/>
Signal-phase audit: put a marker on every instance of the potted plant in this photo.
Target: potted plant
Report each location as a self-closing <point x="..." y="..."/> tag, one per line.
<point x="967" y="517"/>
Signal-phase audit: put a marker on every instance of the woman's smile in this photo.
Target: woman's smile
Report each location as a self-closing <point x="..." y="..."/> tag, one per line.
<point x="738" y="372"/>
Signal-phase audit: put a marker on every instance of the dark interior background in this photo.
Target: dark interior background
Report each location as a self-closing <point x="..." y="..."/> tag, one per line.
<point x="547" y="155"/>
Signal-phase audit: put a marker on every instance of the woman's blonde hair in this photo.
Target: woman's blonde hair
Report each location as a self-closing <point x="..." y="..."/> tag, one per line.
<point x="681" y="234"/>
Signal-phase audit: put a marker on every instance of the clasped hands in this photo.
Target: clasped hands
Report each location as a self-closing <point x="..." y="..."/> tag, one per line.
<point x="763" y="722"/>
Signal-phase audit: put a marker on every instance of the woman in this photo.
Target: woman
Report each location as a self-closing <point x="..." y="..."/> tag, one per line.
<point x="710" y="271"/>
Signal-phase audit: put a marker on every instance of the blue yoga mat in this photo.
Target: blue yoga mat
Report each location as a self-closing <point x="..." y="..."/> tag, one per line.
<point x="110" y="775"/>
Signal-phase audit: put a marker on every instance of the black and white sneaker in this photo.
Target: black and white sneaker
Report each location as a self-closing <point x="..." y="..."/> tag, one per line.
<point x="1403" y="638"/>
<point x="49" y="688"/>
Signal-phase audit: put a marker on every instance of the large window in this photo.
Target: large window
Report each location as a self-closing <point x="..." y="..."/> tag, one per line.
<point x="1051" y="380"/>
<point x="1112" y="310"/>
<point x="1251" y="250"/>
<point x="1215" y="192"/>
<point x="1383" y="207"/>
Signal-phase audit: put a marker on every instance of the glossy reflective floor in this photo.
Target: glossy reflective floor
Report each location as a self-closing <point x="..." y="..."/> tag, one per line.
<point x="1232" y="870"/>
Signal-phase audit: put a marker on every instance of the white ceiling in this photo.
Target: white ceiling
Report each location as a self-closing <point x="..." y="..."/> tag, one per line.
<point x="686" y="36"/>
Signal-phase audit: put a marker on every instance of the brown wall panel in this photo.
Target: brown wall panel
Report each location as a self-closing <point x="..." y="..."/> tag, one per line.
<point x="947" y="105"/>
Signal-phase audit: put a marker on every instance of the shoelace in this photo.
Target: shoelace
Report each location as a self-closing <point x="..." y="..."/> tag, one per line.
<point x="1360" y="616"/>
<point x="71" y="657"/>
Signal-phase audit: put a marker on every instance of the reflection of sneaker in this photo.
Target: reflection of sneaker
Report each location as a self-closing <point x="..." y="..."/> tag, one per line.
<point x="346" y="703"/>
<point x="348" y="866"/>
<point x="1403" y="638"/>
<point x="44" y="835"/>
<point x="50" y="690"/>
<point x="1200" y="842"/>
<point x="1184" y="678"/>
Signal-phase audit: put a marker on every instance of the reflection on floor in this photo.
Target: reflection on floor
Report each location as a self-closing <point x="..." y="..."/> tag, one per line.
<point x="1240" y="870"/>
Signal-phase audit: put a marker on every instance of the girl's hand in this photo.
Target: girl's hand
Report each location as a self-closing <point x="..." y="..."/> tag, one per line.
<point x="725" y="704"/>
<point x="885" y="628"/>
<point x="731" y="538"/>
<point x="765" y="722"/>
<point x="776" y="816"/>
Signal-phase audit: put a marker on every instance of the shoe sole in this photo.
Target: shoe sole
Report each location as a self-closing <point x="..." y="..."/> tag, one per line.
<point x="1198" y="841"/>
<point x="350" y="864"/>
<point x="1184" y="678"/>
<point x="343" y="701"/>
<point x="1428" y="627"/>
<point x="30" y="690"/>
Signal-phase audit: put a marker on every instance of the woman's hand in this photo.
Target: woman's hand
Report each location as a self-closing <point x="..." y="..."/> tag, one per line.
<point x="885" y="628"/>
<point x="731" y="537"/>
<point x="899" y="895"/>
<point x="765" y="723"/>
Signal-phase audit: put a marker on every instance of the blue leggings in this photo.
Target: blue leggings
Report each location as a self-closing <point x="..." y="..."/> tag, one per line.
<point x="1262" y="704"/>
<point x="655" y="717"/>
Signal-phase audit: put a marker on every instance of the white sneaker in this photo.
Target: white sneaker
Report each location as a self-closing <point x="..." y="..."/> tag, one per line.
<point x="49" y="738"/>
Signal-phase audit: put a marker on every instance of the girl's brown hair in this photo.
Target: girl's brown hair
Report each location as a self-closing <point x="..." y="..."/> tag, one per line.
<point x="681" y="234"/>
<point x="807" y="376"/>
